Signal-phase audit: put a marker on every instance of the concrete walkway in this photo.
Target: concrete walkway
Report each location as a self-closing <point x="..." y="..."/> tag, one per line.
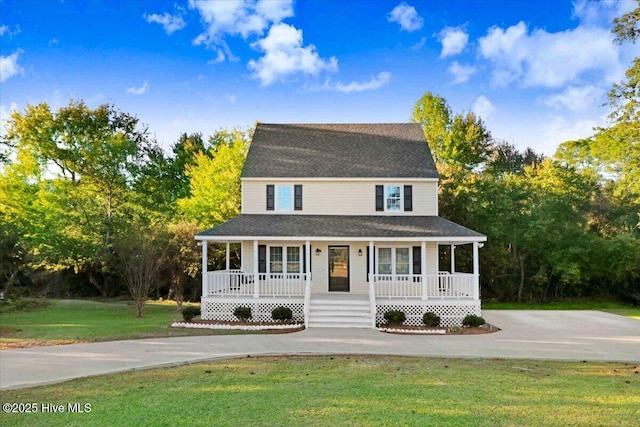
<point x="559" y="335"/>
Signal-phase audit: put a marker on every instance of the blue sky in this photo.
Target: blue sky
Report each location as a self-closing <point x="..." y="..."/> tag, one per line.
<point x="537" y="71"/>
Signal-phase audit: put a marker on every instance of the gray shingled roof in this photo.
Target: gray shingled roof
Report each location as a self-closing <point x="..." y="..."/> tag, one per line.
<point x="339" y="226"/>
<point x="395" y="150"/>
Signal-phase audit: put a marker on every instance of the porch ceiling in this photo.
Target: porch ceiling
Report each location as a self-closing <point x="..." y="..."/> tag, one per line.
<point x="341" y="227"/>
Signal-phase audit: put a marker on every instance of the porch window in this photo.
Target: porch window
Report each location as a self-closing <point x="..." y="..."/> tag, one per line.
<point x="285" y="259"/>
<point x="384" y="261"/>
<point x="394" y="261"/>
<point x="293" y="259"/>
<point x="402" y="260"/>
<point x="275" y="259"/>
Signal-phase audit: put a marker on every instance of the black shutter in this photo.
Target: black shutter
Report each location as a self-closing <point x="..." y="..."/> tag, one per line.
<point x="262" y="258"/>
<point x="368" y="262"/>
<point x="379" y="197"/>
<point x="271" y="191"/>
<point x="304" y="258"/>
<point x="417" y="260"/>
<point x="297" y="197"/>
<point x="408" y="198"/>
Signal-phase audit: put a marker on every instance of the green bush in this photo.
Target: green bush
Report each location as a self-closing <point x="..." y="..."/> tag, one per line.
<point x="282" y="314"/>
<point x="473" y="321"/>
<point x="189" y="312"/>
<point x="242" y="313"/>
<point x="431" y="319"/>
<point x="395" y="317"/>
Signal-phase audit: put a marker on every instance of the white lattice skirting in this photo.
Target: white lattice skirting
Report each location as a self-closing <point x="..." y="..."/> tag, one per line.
<point x="451" y="312"/>
<point x="223" y="308"/>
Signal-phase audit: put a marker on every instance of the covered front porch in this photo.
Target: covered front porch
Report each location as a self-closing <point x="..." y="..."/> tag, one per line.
<point x="384" y="268"/>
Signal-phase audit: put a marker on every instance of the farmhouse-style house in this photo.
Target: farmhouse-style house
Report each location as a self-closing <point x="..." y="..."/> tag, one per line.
<point x="340" y="223"/>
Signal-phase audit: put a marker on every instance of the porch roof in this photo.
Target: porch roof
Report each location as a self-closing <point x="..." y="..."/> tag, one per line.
<point x="340" y="227"/>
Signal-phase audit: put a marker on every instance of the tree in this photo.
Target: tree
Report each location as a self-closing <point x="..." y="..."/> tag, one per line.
<point x="458" y="140"/>
<point x="141" y="256"/>
<point x="183" y="258"/>
<point x="214" y="179"/>
<point x="79" y="164"/>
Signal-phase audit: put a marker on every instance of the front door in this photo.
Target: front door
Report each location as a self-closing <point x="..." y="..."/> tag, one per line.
<point x="338" y="268"/>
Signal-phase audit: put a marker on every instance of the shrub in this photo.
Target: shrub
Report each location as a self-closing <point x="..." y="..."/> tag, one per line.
<point x="282" y="314"/>
<point x="473" y="321"/>
<point x="242" y="313"/>
<point x="189" y="312"/>
<point x="395" y="317"/>
<point x="431" y="319"/>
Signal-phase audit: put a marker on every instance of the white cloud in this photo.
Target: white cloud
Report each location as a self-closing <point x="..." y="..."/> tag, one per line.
<point x="244" y="17"/>
<point x="138" y="90"/>
<point x="558" y="129"/>
<point x="483" y="107"/>
<point x="601" y="13"/>
<point x="5" y="30"/>
<point x="284" y="55"/>
<point x="419" y="45"/>
<point x="406" y="16"/>
<point x="170" y="23"/>
<point x="375" y="82"/>
<point x="453" y="39"/>
<point x="549" y="59"/>
<point x="9" y="66"/>
<point x="461" y="73"/>
<point x="575" y="98"/>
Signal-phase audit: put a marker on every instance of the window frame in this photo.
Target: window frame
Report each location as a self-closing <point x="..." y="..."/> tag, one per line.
<point x="290" y="201"/>
<point x="400" y="198"/>
<point x="285" y="259"/>
<point x="394" y="260"/>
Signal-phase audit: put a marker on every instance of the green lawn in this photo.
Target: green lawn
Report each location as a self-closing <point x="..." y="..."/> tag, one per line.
<point x="347" y="390"/>
<point x="608" y="306"/>
<point x="68" y="321"/>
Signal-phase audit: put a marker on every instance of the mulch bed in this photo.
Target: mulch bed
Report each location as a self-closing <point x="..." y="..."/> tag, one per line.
<point x="484" y="329"/>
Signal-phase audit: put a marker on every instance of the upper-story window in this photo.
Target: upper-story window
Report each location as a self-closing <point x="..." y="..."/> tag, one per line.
<point x="284" y="197"/>
<point x="394" y="198"/>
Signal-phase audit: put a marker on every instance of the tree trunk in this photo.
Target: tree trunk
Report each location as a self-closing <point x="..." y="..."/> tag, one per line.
<point x="95" y="281"/>
<point x="521" y="287"/>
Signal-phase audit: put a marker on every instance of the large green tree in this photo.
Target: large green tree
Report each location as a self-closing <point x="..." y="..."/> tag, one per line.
<point x="74" y="170"/>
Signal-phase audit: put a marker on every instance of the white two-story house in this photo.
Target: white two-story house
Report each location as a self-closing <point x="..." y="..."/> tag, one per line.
<point x="340" y="223"/>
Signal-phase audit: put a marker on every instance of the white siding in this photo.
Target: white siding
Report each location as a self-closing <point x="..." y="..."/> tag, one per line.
<point x="340" y="197"/>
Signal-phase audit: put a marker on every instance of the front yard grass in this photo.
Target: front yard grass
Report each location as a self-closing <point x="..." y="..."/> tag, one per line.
<point x="347" y="390"/>
<point x="73" y="321"/>
<point x="607" y="306"/>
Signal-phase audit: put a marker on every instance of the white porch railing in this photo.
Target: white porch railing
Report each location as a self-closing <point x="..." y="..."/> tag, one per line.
<point x="239" y="283"/>
<point x="444" y="286"/>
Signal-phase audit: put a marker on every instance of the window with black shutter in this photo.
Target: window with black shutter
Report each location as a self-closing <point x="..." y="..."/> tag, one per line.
<point x="271" y="191"/>
<point x="297" y="198"/>
<point x="379" y="197"/>
<point x="262" y="258"/>
<point x="408" y="198"/>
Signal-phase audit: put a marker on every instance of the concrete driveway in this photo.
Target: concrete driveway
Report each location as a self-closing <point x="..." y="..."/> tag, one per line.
<point x="559" y="335"/>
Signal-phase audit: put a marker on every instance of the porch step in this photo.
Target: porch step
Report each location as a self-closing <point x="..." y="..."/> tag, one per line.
<point x="339" y="312"/>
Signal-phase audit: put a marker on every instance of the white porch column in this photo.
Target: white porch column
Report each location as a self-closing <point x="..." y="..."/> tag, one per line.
<point x="307" y="269"/>
<point x="423" y="268"/>
<point x="476" y="272"/>
<point x="372" y="269"/>
<point x="205" y="258"/>
<point x="453" y="259"/>
<point x="227" y="260"/>
<point x="256" y="276"/>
